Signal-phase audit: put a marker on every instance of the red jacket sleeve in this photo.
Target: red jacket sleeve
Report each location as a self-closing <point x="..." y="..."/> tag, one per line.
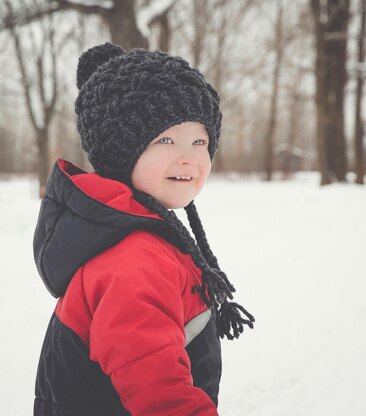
<point x="137" y="329"/>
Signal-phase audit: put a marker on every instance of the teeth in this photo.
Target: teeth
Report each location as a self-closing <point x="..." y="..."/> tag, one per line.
<point x="183" y="177"/>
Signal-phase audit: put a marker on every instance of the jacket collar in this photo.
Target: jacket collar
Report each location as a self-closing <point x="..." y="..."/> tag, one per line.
<point x="109" y="192"/>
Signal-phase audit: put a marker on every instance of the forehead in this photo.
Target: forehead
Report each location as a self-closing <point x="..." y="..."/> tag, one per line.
<point x="186" y="128"/>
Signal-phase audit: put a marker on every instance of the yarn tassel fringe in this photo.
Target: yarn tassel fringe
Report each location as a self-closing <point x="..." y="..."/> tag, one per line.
<point x="229" y="319"/>
<point x="216" y="286"/>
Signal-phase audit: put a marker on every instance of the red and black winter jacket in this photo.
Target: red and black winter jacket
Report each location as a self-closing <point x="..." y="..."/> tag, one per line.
<point x="127" y="337"/>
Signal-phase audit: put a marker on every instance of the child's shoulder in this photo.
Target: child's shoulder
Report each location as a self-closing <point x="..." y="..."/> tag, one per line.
<point x="142" y="243"/>
<point x="142" y="248"/>
<point x="142" y="261"/>
<point x="136" y="248"/>
<point x="146" y="243"/>
<point x="147" y="257"/>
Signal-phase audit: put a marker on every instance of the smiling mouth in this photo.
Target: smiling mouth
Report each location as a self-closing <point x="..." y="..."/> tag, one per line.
<point x="180" y="180"/>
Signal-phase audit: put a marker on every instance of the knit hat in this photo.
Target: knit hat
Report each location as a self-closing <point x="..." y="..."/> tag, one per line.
<point x="126" y="99"/>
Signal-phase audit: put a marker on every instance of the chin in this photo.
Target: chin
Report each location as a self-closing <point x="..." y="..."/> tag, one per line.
<point x="176" y="205"/>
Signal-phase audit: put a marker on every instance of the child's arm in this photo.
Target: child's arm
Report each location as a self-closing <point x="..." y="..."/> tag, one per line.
<point x="137" y="330"/>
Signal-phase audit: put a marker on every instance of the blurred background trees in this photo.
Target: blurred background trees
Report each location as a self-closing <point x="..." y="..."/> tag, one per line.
<point x="290" y="76"/>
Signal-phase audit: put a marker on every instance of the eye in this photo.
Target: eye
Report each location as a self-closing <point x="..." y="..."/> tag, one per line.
<point x="202" y="141"/>
<point x="163" y="138"/>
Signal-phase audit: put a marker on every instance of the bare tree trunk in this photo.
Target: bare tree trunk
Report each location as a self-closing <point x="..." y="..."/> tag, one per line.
<point x="218" y="77"/>
<point x="337" y="45"/>
<point x="331" y="25"/>
<point x="121" y="20"/>
<point x="201" y="15"/>
<point x="43" y="160"/>
<point x="7" y="150"/>
<point x="321" y="95"/>
<point x="294" y="116"/>
<point x="165" y="33"/>
<point x="268" y="140"/>
<point x="359" y="122"/>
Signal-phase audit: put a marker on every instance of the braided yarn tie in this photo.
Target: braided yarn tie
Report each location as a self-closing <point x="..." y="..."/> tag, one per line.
<point x="214" y="281"/>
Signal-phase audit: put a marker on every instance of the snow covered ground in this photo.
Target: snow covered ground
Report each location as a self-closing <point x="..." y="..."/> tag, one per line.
<point x="295" y="253"/>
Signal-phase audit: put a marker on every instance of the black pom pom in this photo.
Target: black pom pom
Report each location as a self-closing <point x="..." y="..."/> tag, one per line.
<point x="92" y="58"/>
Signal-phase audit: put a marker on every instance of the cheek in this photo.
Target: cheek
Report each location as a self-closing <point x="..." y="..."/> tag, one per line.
<point x="145" y="172"/>
<point x="206" y="166"/>
<point x="205" y="169"/>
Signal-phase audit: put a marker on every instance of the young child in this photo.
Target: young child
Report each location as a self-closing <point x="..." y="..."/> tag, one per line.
<point x="142" y="305"/>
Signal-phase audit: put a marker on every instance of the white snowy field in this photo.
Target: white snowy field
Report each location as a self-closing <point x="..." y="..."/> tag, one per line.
<point x="296" y="255"/>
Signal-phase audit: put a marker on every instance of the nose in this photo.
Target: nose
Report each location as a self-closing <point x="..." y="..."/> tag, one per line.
<point x="187" y="158"/>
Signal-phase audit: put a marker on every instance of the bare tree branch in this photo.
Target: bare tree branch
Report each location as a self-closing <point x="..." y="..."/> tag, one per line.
<point x="52" y="103"/>
<point x="84" y="8"/>
<point x="24" y="75"/>
<point x="27" y="15"/>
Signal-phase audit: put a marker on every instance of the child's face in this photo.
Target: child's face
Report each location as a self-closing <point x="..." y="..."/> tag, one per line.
<point x="181" y="150"/>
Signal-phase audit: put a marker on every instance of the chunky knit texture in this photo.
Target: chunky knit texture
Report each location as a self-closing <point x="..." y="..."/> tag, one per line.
<point x="126" y="99"/>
